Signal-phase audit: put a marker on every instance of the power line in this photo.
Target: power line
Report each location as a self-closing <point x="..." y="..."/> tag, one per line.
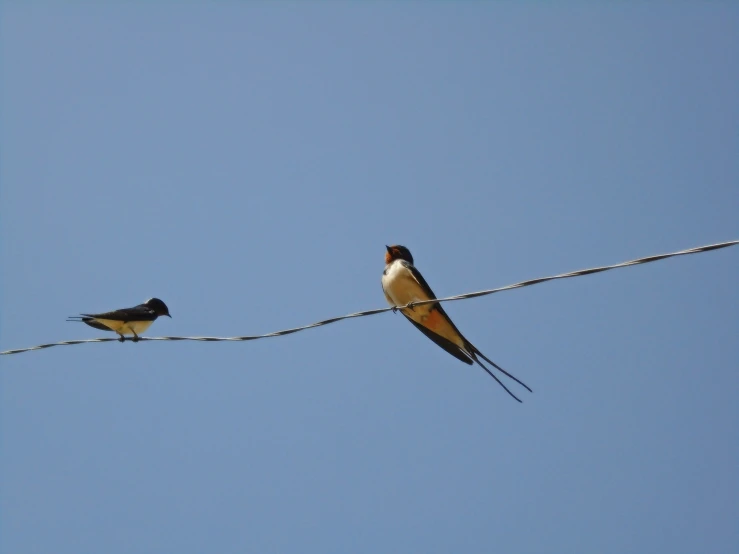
<point x="528" y="283"/>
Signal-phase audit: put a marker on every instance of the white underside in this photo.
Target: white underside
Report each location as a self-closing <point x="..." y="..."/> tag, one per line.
<point x="399" y="285"/>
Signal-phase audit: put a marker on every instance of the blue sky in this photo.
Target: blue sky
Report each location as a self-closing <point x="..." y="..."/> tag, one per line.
<point x="247" y="163"/>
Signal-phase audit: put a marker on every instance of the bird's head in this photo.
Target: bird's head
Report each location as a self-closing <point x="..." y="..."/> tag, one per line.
<point x="398" y="252"/>
<point x="159" y="307"/>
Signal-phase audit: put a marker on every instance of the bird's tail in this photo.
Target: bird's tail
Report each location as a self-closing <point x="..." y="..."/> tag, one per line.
<point x="91" y="321"/>
<point x="79" y="318"/>
<point x="475" y="352"/>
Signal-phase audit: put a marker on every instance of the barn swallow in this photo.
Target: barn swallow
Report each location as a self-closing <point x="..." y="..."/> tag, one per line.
<point x="126" y="321"/>
<point x="403" y="284"/>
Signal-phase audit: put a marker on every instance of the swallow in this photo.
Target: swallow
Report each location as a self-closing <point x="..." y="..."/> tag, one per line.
<point x="126" y="321"/>
<point x="403" y="284"/>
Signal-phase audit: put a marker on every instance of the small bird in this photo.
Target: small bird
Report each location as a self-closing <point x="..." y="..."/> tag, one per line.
<point x="403" y="284"/>
<point x="126" y="321"/>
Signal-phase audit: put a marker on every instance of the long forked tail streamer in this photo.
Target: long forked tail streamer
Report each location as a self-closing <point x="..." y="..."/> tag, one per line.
<point x="478" y="362"/>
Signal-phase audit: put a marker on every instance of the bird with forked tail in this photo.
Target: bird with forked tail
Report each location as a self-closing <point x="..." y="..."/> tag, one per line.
<point x="403" y="284"/>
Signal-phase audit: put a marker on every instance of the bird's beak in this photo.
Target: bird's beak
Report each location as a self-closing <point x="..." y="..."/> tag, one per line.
<point x="388" y="248"/>
<point x="169" y="316"/>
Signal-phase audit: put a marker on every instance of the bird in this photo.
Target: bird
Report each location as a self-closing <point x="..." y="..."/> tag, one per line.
<point x="126" y="321"/>
<point x="403" y="284"/>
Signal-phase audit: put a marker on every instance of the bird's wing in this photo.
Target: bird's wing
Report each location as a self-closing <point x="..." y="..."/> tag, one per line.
<point x="437" y="307"/>
<point x="446" y="344"/>
<point x="137" y="313"/>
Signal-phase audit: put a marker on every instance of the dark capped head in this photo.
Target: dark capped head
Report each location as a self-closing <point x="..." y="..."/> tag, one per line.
<point x="159" y="307"/>
<point x="398" y="252"/>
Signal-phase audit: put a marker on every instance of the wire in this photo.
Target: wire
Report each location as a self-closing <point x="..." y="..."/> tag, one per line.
<point x="284" y="332"/>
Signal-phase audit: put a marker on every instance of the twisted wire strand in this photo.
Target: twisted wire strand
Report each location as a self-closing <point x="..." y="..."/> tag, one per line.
<point x="465" y="296"/>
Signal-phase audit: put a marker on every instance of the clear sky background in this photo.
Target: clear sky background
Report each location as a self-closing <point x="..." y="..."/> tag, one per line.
<point x="247" y="163"/>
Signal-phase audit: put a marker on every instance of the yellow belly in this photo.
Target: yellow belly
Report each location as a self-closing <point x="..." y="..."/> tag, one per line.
<point x="126" y="327"/>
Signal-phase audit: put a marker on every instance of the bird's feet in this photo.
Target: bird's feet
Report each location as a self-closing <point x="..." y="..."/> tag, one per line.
<point x="135" y="338"/>
<point x="121" y="339"/>
<point x="410" y="306"/>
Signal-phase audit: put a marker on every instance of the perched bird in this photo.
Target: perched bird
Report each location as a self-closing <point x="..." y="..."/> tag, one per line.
<point x="403" y="284"/>
<point x="126" y="321"/>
